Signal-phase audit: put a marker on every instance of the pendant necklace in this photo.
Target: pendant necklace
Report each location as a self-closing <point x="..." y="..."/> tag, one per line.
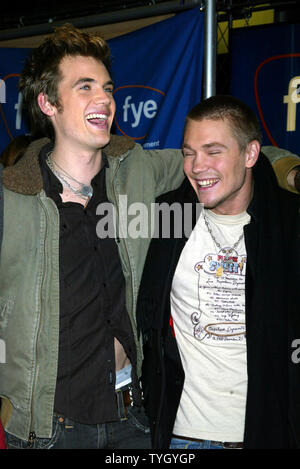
<point x="226" y="251"/>
<point x="84" y="191"/>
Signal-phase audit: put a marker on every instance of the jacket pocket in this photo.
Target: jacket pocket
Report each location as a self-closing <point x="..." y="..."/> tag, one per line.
<point x="6" y="307"/>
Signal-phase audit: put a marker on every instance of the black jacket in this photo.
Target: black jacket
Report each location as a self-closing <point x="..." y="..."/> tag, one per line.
<point x="272" y="319"/>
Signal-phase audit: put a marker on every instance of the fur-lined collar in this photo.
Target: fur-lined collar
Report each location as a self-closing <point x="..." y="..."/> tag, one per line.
<point x="25" y="176"/>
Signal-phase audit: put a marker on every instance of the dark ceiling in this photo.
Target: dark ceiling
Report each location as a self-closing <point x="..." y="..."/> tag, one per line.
<point x="16" y="14"/>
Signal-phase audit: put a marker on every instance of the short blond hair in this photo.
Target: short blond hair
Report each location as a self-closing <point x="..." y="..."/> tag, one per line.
<point x="242" y="120"/>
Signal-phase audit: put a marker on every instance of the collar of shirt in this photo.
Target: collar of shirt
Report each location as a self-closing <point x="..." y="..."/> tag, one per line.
<point x="53" y="186"/>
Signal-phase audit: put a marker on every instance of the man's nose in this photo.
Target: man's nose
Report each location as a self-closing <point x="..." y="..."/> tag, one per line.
<point x="200" y="163"/>
<point x="101" y="96"/>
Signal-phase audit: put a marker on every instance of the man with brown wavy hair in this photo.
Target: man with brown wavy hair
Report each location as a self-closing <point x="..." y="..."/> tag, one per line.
<point x="68" y="296"/>
<point x="42" y="72"/>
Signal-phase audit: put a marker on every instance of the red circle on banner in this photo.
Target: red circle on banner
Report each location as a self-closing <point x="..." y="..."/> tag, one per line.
<point x="269" y="59"/>
<point x="1" y="110"/>
<point x="134" y="86"/>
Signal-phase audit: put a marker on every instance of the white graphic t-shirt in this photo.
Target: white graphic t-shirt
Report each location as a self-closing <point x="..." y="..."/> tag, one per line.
<point x="208" y="312"/>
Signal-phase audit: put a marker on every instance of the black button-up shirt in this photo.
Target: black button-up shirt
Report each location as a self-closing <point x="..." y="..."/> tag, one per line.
<point x="92" y="307"/>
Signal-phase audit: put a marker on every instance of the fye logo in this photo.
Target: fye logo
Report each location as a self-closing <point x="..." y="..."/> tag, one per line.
<point x="11" y="116"/>
<point x="2" y="92"/>
<point x="137" y="106"/>
<point x="279" y="97"/>
<point x="292" y="99"/>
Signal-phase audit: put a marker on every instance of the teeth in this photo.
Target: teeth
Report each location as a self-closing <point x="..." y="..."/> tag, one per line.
<point x="206" y="182"/>
<point x="96" y="116"/>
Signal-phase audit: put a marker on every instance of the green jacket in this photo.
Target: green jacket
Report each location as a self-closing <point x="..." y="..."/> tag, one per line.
<point x="29" y="271"/>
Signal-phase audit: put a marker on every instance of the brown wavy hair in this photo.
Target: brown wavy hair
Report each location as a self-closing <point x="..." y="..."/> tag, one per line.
<point x="41" y="73"/>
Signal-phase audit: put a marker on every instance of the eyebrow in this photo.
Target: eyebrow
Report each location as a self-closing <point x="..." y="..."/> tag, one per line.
<point x="91" y="80"/>
<point x="206" y="146"/>
<point x="214" y="144"/>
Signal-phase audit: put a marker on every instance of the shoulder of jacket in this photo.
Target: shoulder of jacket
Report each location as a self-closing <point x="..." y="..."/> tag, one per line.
<point x="119" y="145"/>
<point x="25" y="176"/>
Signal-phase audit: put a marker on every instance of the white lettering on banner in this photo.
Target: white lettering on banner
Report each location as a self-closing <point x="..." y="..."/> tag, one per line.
<point x="2" y="351"/>
<point x="292" y="99"/>
<point x="137" y="113"/>
<point x="18" y="108"/>
<point x="151" y="144"/>
<point x="147" y="108"/>
<point x="2" y="92"/>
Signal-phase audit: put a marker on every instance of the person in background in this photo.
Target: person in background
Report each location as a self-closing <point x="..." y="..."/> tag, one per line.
<point x="69" y="289"/>
<point x="218" y="307"/>
<point x="15" y="150"/>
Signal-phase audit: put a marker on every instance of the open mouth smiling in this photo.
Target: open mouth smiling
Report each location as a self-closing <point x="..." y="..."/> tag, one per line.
<point x="206" y="183"/>
<point x="97" y="119"/>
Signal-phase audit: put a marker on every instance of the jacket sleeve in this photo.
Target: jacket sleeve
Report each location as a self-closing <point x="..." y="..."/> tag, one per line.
<point x="167" y="167"/>
<point x="283" y="162"/>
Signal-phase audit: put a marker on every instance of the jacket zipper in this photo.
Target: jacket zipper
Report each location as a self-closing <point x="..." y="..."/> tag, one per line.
<point x="124" y="243"/>
<point x="118" y="227"/>
<point x="32" y="434"/>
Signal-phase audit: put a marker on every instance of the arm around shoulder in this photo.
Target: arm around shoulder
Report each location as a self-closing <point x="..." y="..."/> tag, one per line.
<point x="168" y="169"/>
<point x="286" y="166"/>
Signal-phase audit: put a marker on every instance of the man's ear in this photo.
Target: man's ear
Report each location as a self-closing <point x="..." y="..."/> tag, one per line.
<point x="45" y="106"/>
<point x="252" y="153"/>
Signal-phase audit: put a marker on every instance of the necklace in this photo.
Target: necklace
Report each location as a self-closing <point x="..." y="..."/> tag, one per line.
<point x="227" y="251"/>
<point x="84" y="191"/>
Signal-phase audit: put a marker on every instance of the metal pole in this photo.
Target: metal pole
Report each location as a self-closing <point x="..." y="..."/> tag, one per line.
<point x="210" y="49"/>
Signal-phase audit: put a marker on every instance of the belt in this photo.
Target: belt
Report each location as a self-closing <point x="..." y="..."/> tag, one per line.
<point x="225" y="444"/>
<point x="124" y="400"/>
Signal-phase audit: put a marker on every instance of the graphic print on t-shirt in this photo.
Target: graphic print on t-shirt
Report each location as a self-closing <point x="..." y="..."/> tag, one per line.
<point x="221" y="283"/>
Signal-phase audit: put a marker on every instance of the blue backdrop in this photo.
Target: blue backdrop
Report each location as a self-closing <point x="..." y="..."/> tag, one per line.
<point x="11" y="118"/>
<point x="158" y="76"/>
<point x="266" y="74"/>
<point x="157" y="72"/>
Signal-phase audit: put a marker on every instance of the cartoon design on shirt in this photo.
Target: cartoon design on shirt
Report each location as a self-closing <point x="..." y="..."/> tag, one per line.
<point x="221" y="281"/>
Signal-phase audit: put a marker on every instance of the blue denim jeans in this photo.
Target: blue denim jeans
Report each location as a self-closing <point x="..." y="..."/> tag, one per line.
<point x="132" y="433"/>
<point x="177" y="443"/>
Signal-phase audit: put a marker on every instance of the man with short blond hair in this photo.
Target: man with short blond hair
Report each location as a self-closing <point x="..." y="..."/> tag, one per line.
<point x="218" y="310"/>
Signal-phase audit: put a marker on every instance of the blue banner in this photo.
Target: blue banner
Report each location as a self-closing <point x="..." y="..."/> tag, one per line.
<point x="266" y="75"/>
<point x="12" y="122"/>
<point x="157" y="72"/>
